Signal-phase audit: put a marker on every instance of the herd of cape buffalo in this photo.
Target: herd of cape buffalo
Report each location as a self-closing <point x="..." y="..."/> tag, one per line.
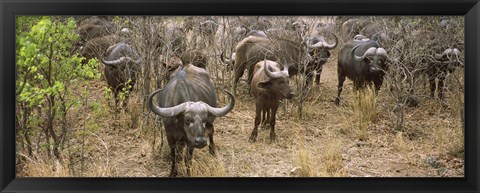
<point x="271" y="53"/>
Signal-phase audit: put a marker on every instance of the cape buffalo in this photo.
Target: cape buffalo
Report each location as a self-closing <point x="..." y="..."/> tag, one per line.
<point x="97" y="47"/>
<point x="194" y="57"/>
<point x="188" y="107"/>
<point x="230" y="62"/>
<point x="319" y="50"/>
<point x="270" y="84"/>
<point x="252" y="50"/>
<point x="423" y="53"/>
<point x="121" y="68"/>
<point x="362" y="62"/>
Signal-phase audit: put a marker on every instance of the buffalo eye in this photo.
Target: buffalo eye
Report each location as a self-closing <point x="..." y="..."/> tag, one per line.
<point x="188" y="121"/>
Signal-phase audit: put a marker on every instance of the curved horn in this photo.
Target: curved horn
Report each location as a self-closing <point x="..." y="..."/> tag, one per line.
<point x="218" y="112"/>
<point x="268" y="72"/>
<point x="138" y="61"/>
<point x="447" y="51"/>
<point x="114" y="62"/>
<point x="360" y="37"/>
<point x="165" y="112"/>
<point x="222" y="58"/>
<point x="381" y="52"/>
<point x="323" y="44"/>
<point x="120" y="60"/>
<point x="332" y="46"/>
<point x="225" y="60"/>
<point x="369" y="51"/>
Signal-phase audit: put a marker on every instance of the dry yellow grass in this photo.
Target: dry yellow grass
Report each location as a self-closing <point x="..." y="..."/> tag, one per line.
<point x="360" y="112"/>
<point x="45" y="167"/>
<point x="204" y="165"/>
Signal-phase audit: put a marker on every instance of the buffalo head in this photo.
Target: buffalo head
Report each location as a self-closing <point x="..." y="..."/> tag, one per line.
<point x="194" y="115"/>
<point x="319" y="49"/>
<point x="374" y="57"/>
<point x="277" y="82"/>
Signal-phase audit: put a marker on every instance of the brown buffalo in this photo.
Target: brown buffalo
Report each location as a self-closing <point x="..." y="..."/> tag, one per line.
<point x="252" y="50"/>
<point x="270" y="84"/>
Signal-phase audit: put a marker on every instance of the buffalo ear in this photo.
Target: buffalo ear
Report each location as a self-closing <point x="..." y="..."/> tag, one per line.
<point x="264" y="84"/>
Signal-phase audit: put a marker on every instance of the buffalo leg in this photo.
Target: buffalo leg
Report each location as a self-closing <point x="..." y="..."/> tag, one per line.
<point x="341" y="79"/>
<point x="250" y="76"/>
<point x="253" y="135"/>
<point x="431" y="80"/>
<point x="319" y="72"/>
<point x="267" y="118"/>
<point x="378" y="83"/>
<point x="115" y="97"/>
<point x="188" y="160"/>
<point x="125" y="101"/>
<point x="441" y="89"/>
<point x="211" y="146"/>
<point x="272" y="123"/>
<point x="173" y="157"/>
<point x="441" y="84"/>
<point x="308" y="80"/>
<point x="175" y="151"/>
<point x="239" y="70"/>
<point x="263" y="120"/>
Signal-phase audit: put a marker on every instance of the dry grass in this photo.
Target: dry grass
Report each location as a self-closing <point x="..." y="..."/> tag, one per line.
<point x="45" y="167"/>
<point x="401" y="146"/>
<point x="360" y="112"/>
<point x="204" y="165"/>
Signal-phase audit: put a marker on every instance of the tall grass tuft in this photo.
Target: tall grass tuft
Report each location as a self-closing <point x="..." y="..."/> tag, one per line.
<point x="204" y="165"/>
<point x="360" y="112"/>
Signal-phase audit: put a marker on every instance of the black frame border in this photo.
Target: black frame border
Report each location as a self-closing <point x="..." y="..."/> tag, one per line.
<point x="9" y="9"/>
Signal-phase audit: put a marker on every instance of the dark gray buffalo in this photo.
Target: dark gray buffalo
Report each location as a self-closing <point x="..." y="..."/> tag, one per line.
<point x="188" y="107"/>
<point x="270" y="84"/>
<point x="319" y="50"/>
<point x="362" y="62"/>
<point x="121" y="67"/>
<point x="97" y="47"/>
<point x="436" y="59"/>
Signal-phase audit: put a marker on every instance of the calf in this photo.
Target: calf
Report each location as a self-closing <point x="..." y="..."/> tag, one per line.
<point x="270" y="84"/>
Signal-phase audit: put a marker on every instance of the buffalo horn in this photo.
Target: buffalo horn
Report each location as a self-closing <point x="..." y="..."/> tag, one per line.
<point x="370" y="51"/>
<point x="218" y="112"/>
<point x="114" y="62"/>
<point x="381" y="52"/>
<point x="165" y="112"/>
<point x="226" y="60"/>
<point x="448" y="51"/>
<point x="323" y="44"/>
<point x="270" y="74"/>
<point x="120" y="60"/>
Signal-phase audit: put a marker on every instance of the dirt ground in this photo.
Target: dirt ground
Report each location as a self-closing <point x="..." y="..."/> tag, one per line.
<point x="323" y="143"/>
